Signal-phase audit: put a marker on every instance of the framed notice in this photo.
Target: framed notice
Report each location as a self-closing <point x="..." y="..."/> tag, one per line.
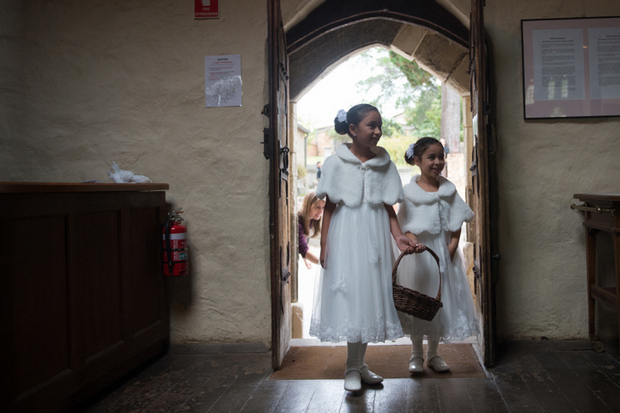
<point x="571" y="67"/>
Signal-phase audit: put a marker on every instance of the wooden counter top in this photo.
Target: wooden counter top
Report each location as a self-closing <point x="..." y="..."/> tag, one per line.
<point x="598" y="197"/>
<point x="32" y="187"/>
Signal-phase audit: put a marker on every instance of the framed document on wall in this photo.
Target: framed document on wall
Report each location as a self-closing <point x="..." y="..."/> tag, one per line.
<point x="571" y="67"/>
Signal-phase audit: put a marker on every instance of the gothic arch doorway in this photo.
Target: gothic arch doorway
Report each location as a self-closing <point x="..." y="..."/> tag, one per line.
<point x="448" y="49"/>
<point x="335" y="30"/>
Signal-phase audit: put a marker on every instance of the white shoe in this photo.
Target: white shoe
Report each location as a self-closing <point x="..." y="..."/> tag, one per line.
<point x="416" y="365"/>
<point x="369" y="377"/>
<point x="353" y="381"/>
<point x="437" y="364"/>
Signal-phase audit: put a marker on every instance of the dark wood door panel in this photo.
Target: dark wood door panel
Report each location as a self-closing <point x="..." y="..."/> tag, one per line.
<point x="97" y="279"/>
<point x="34" y="250"/>
<point x="144" y="309"/>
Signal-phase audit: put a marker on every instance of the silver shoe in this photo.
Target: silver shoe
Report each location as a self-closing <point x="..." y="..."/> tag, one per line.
<point x="369" y="377"/>
<point x="437" y="364"/>
<point x="416" y="365"/>
<point x="353" y="381"/>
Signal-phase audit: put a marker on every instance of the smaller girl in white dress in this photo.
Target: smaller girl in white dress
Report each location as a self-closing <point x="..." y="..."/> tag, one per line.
<point x="433" y="214"/>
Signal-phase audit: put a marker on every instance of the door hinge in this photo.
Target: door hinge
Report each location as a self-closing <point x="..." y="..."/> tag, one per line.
<point x="266" y="111"/>
<point x="267" y="142"/>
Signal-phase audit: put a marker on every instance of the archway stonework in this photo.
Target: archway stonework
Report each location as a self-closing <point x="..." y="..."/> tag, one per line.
<point x="421" y="30"/>
<point x="440" y="42"/>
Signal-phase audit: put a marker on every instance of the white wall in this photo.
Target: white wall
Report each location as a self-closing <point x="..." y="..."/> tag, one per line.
<point x="86" y="83"/>
<point x="541" y="164"/>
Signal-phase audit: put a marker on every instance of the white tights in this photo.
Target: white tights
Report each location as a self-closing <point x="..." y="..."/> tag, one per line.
<point x="418" y="350"/>
<point x="356" y="353"/>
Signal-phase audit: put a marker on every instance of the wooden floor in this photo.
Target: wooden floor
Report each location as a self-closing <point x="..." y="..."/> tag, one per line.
<point x="532" y="376"/>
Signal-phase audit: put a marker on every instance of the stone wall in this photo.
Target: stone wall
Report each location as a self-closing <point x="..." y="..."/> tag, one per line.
<point x="86" y="83"/>
<point x="83" y="84"/>
<point x="541" y="286"/>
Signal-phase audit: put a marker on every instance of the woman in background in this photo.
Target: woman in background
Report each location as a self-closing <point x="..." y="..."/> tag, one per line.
<point x="309" y="225"/>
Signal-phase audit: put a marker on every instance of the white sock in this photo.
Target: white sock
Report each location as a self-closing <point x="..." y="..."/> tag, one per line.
<point x="353" y="356"/>
<point x="362" y="354"/>
<point x="431" y="350"/>
<point x="418" y="349"/>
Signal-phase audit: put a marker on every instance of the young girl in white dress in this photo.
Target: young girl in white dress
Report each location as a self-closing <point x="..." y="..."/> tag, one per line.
<point x="432" y="214"/>
<point x="353" y="299"/>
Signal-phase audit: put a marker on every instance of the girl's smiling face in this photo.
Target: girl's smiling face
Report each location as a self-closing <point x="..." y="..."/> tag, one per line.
<point x="433" y="161"/>
<point x="368" y="131"/>
<point x="316" y="210"/>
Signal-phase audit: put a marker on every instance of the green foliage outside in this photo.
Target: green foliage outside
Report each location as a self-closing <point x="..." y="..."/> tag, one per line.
<point x="425" y="116"/>
<point x="312" y="160"/>
<point x="414" y="90"/>
<point x="338" y="139"/>
<point x="301" y="171"/>
<point x="396" y="147"/>
<point x="392" y="128"/>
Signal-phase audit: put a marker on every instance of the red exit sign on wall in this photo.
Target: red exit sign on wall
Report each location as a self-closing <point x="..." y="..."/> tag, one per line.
<point x="206" y="9"/>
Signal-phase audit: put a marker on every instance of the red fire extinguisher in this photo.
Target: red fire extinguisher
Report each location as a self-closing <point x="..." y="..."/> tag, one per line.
<point x="175" y="246"/>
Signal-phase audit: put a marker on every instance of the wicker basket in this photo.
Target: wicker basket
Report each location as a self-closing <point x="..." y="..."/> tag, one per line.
<point x="412" y="302"/>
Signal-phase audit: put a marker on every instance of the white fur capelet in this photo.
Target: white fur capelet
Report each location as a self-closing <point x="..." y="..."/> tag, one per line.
<point x="345" y="179"/>
<point x="433" y="212"/>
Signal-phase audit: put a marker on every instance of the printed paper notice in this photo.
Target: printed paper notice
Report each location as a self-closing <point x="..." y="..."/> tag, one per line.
<point x="223" y="80"/>
<point x="558" y="64"/>
<point x="604" y="47"/>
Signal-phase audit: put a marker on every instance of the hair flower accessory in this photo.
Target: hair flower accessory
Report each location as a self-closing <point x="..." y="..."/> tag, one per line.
<point x="409" y="152"/>
<point x="342" y="116"/>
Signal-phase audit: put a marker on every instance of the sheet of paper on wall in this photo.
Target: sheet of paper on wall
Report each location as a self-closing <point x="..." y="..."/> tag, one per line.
<point x="604" y="49"/>
<point x="223" y="80"/>
<point x="559" y="61"/>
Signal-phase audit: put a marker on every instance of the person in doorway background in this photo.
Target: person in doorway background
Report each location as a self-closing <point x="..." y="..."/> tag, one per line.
<point x="309" y="225"/>
<point x="318" y="171"/>
<point x="353" y="298"/>
<point x="433" y="214"/>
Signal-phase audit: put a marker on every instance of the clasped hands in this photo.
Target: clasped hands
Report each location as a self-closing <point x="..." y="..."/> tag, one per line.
<point x="408" y="246"/>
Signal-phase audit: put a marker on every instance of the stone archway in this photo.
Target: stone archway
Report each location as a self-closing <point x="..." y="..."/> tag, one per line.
<point x="444" y="45"/>
<point x="423" y="30"/>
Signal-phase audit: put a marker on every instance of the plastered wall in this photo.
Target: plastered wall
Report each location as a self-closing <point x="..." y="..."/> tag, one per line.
<point x="541" y="289"/>
<point x="85" y="83"/>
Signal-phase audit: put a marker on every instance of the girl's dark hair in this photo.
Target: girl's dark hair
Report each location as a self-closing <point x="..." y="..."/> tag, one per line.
<point x="354" y="117"/>
<point x="419" y="147"/>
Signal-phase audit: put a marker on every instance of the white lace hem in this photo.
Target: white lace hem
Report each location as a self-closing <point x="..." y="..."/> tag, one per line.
<point x="351" y="334"/>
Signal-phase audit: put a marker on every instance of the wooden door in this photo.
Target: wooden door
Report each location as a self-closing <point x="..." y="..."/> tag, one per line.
<point x="482" y="182"/>
<point x="277" y="151"/>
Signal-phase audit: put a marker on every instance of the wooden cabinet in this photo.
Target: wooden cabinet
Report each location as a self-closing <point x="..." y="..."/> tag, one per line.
<point x="601" y="213"/>
<point x="82" y="299"/>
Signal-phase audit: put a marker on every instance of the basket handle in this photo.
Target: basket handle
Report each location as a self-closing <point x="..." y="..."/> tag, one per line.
<point x="400" y="257"/>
